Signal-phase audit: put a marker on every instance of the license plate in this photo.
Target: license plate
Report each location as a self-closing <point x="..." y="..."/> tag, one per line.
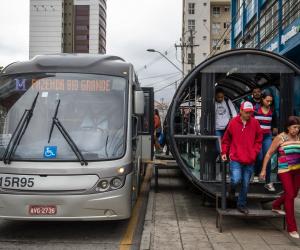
<point x="42" y="210"/>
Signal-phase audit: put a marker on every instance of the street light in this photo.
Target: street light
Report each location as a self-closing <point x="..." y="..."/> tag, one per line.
<point x="153" y="50"/>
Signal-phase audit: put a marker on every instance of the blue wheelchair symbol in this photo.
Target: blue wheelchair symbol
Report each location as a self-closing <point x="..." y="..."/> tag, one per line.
<point x="50" y="152"/>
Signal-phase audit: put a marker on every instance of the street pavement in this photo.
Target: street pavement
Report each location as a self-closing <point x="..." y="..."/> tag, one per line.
<point x="125" y="234"/>
<point x="61" y="235"/>
<point x="177" y="219"/>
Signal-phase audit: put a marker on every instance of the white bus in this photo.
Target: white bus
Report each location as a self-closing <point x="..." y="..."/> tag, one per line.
<point x="69" y="142"/>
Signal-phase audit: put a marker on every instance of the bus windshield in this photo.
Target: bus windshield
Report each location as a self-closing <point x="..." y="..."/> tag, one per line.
<point x="92" y="110"/>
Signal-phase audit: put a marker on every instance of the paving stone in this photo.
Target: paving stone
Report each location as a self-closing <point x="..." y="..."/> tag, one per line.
<point x="284" y="247"/>
<point x="276" y="239"/>
<point x="226" y="246"/>
<point x="191" y="230"/>
<point x="214" y="236"/>
<point x="193" y="237"/>
<point x="248" y="237"/>
<point x="162" y="244"/>
<point x="255" y="246"/>
<point x="197" y="246"/>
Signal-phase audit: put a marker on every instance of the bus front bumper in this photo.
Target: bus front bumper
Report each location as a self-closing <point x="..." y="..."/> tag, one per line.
<point x="113" y="205"/>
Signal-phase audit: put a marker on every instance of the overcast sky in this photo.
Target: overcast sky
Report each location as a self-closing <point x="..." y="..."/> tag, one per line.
<point x="132" y="27"/>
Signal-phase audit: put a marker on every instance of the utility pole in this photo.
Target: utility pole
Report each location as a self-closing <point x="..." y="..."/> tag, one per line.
<point x="190" y="45"/>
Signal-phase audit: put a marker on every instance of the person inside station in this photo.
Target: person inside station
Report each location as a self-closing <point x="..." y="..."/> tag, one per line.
<point x="255" y="98"/>
<point x="241" y="144"/>
<point x="157" y="131"/>
<point x="224" y="110"/>
<point x="265" y="115"/>
<point x="287" y="145"/>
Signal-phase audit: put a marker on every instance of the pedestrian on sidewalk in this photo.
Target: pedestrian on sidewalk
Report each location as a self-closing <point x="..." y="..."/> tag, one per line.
<point x="157" y="131"/>
<point x="287" y="144"/>
<point x="267" y="120"/>
<point x="241" y="144"/>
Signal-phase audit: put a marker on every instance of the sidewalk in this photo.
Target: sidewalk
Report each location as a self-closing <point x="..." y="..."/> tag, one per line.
<point x="176" y="219"/>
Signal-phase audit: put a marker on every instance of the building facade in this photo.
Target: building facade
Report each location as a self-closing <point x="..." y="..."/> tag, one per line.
<point x="205" y="30"/>
<point x="67" y="26"/>
<point x="272" y="25"/>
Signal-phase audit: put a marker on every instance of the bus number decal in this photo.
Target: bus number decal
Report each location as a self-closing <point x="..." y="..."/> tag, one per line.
<point x="16" y="182"/>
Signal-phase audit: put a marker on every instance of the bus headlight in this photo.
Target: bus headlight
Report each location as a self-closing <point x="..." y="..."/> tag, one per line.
<point x="103" y="184"/>
<point x="116" y="182"/>
<point x="110" y="184"/>
<point x="121" y="170"/>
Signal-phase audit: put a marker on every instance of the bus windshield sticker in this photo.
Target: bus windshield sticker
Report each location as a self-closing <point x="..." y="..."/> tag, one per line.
<point x="45" y="94"/>
<point x="4" y="139"/>
<point x="50" y="152"/>
<point x="20" y="84"/>
<point x="47" y="84"/>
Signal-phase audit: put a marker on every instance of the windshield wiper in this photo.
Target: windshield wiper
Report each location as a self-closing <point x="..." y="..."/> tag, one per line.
<point x="19" y="132"/>
<point x="66" y="135"/>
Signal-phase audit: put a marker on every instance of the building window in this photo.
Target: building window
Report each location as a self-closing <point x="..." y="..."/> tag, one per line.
<point x="191" y="24"/>
<point x="216" y="28"/>
<point x="216" y="11"/>
<point x="191" y="8"/>
<point x="215" y="44"/>
<point x="226" y="25"/>
<point x="225" y="41"/>
<point x="204" y="38"/>
<point x="204" y="20"/>
<point x="191" y="58"/>
<point x="226" y="9"/>
<point x="204" y="4"/>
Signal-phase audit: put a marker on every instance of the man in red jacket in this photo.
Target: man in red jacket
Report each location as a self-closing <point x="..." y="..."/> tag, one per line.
<point x="242" y="143"/>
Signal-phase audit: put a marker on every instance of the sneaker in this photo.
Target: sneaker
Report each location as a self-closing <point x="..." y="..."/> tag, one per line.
<point x="243" y="210"/>
<point x="255" y="179"/>
<point x="279" y="211"/>
<point x="270" y="187"/>
<point x="294" y="235"/>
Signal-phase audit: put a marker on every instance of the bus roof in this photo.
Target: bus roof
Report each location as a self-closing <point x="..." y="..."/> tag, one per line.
<point x="71" y="63"/>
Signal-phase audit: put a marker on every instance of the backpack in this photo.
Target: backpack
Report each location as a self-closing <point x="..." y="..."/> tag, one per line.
<point x="229" y="109"/>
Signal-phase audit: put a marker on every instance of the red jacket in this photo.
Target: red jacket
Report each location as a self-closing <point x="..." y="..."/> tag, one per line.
<point x="242" y="143"/>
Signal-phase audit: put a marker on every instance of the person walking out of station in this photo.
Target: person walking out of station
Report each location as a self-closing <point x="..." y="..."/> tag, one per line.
<point x="241" y="144"/>
<point x="255" y="98"/>
<point x="224" y="110"/>
<point x="287" y="144"/>
<point x="265" y="116"/>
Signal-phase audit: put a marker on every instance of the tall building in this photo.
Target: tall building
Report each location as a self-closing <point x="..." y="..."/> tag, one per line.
<point x="70" y="26"/>
<point x="272" y="25"/>
<point x="205" y="30"/>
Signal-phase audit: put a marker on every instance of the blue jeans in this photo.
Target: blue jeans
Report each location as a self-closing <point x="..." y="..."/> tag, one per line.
<point x="241" y="174"/>
<point x="221" y="134"/>
<point x="266" y="144"/>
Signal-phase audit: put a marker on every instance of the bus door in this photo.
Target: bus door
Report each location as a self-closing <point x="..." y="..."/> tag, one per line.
<point x="147" y="126"/>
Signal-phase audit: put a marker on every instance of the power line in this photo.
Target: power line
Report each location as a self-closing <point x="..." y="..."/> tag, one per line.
<point x="157" y="76"/>
<point x="168" y="85"/>
<point x="158" y="58"/>
<point x="166" y="78"/>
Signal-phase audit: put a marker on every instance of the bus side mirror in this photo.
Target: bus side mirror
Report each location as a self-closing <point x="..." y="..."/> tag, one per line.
<point x="138" y="102"/>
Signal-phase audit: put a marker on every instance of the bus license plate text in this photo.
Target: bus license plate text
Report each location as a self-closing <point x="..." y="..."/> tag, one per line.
<point x="42" y="210"/>
<point x="16" y="182"/>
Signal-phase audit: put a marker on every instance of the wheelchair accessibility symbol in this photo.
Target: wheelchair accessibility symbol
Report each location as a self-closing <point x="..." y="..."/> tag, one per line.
<point x="50" y="152"/>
